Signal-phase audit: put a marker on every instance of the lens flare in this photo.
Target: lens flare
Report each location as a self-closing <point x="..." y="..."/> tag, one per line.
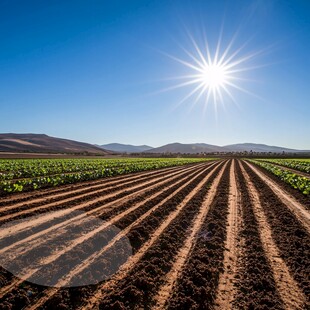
<point x="214" y="76"/>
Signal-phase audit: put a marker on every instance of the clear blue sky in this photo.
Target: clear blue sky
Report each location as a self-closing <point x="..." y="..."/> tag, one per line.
<point x="91" y="71"/>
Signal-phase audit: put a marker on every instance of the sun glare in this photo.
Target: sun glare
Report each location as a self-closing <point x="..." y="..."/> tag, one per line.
<point x="213" y="76"/>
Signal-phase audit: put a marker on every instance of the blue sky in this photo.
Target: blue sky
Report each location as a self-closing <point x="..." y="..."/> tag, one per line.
<point x="93" y="71"/>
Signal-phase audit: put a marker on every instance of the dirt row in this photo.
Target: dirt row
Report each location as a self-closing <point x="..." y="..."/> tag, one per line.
<point x="287" y="188"/>
<point x="256" y="288"/>
<point x="290" y="236"/>
<point x="196" y="286"/>
<point x="128" y="209"/>
<point x="222" y="235"/>
<point x="79" y="187"/>
<point x="164" y="183"/>
<point x="131" y="208"/>
<point x="197" y="170"/>
<point x="47" y="221"/>
<point x="140" y="285"/>
<point x="288" y="289"/>
<point x="145" y="233"/>
<point x="85" y="201"/>
<point x="86" y="189"/>
<point x="226" y="287"/>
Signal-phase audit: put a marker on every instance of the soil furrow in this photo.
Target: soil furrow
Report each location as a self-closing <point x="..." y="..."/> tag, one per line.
<point x="181" y="257"/>
<point x="199" y="173"/>
<point x="288" y="289"/>
<point x="71" y="196"/>
<point x="92" y="259"/>
<point x="53" y="226"/>
<point x="285" y="187"/>
<point x="218" y="235"/>
<point x="52" y="231"/>
<point x="255" y="285"/>
<point x="96" y="197"/>
<point x="132" y="272"/>
<point x="226" y="290"/>
<point x="300" y="212"/>
<point x="197" y="284"/>
<point x="22" y="197"/>
<point x="96" y="255"/>
<point x="289" y="235"/>
<point x="67" y="192"/>
<point x="37" y="243"/>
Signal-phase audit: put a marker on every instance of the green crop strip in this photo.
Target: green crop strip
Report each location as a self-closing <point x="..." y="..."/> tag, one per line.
<point x="302" y="165"/>
<point x="298" y="182"/>
<point x="30" y="174"/>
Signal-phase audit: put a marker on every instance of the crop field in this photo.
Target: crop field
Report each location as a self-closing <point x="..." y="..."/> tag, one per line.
<point x="155" y="234"/>
<point x="297" y="175"/>
<point x="300" y="165"/>
<point x="23" y="175"/>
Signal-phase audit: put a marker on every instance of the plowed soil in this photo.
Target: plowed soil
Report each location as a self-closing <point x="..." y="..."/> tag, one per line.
<point x="216" y="235"/>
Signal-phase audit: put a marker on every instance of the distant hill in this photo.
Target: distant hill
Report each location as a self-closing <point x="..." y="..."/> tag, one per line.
<point x="209" y="148"/>
<point x="40" y="143"/>
<point x="242" y="147"/>
<point x="125" y="148"/>
<point x="186" y="148"/>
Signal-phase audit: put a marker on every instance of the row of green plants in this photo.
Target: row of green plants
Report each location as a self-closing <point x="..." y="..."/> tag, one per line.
<point x="297" y="164"/>
<point x="296" y="181"/>
<point x="40" y="173"/>
<point x="29" y="168"/>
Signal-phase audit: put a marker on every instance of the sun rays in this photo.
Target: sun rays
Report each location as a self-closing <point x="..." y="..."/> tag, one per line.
<point x="213" y="77"/>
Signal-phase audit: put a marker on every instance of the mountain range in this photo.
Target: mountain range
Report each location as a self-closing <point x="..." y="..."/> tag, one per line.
<point x="209" y="148"/>
<point x="41" y="143"/>
<point x="195" y="148"/>
<point x="125" y="148"/>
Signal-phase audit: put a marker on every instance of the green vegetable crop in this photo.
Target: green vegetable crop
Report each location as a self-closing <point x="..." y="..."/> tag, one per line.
<point x="18" y="175"/>
<point x="296" y="181"/>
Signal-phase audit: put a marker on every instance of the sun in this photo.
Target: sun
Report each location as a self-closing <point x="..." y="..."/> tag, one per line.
<point x="213" y="76"/>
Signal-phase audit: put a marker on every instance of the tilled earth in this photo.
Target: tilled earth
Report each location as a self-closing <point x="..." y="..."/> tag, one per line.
<point x="217" y="235"/>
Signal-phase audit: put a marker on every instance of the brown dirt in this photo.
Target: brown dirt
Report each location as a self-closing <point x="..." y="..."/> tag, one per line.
<point x="223" y="235"/>
<point x="289" y="235"/>
<point x="142" y="247"/>
<point x="301" y="198"/>
<point x="200" y="173"/>
<point x="255" y="285"/>
<point x="226" y="289"/>
<point x="96" y="209"/>
<point x="288" y="289"/>
<point x="300" y="212"/>
<point x="183" y="254"/>
<point x="83" y="201"/>
<point x="72" y="191"/>
<point x="44" y="193"/>
<point x="114" y="219"/>
<point x="47" y="235"/>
